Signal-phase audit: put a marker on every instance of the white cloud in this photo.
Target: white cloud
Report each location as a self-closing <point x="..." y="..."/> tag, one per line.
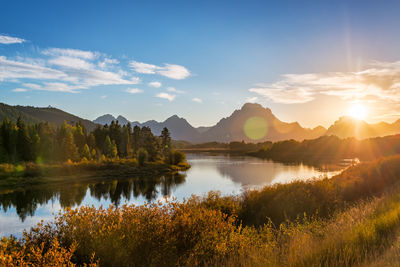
<point x="141" y="67"/>
<point x="167" y="96"/>
<point x="251" y="99"/>
<point x="66" y="70"/>
<point x="134" y="90"/>
<point x="155" y="84"/>
<point x="103" y="96"/>
<point x="381" y="80"/>
<point x="10" y="69"/>
<point x="198" y="100"/>
<point x="71" y="62"/>
<point x="108" y="62"/>
<point x="172" y="71"/>
<point x="4" y="39"/>
<point x="176" y="72"/>
<point x="173" y="90"/>
<point x="19" y="90"/>
<point x="70" y="53"/>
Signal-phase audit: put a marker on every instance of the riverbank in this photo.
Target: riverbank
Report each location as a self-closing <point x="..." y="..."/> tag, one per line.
<point x="25" y="174"/>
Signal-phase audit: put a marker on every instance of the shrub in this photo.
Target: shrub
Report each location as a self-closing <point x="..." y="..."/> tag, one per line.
<point x="176" y="157"/>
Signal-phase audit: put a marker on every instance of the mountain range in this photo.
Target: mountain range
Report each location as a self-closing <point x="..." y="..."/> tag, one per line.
<point x="233" y="128"/>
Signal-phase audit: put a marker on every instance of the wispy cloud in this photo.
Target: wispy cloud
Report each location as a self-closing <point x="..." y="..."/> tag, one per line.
<point x="172" y="71"/>
<point x="381" y="80"/>
<point x="173" y="90"/>
<point x="4" y="39"/>
<point x="134" y="90"/>
<point x="198" y="100"/>
<point x="19" y="90"/>
<point x="169" y="97"/>
<point x="154" y="84"/>
<point x="70" y="53"/>
<point x="64" y="70"/>
<point x="108" y="62"/>
<point x="251" y="99"/>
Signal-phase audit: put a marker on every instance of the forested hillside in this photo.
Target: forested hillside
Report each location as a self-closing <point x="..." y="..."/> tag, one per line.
<point x="31" y="115"/>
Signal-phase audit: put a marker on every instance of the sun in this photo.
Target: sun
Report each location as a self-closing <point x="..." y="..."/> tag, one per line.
<point x="357" y="111"/>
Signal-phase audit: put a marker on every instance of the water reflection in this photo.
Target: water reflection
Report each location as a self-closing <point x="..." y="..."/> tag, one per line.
<point x="28" y="200"/>
<point x="25" y="207"/>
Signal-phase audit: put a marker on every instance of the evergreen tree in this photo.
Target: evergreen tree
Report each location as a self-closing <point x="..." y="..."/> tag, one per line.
<point x="68" y="148"/>
<point x="85" y="152"/>
<point x="136" y="138"/>
<point x="110" y="148"/>
<point x="23" y="145"/>
<point x="165" y="142"/>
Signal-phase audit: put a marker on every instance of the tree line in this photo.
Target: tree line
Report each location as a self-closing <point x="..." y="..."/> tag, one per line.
<point x="45" y="142"/>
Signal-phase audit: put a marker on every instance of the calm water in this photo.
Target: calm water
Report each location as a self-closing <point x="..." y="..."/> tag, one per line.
<point x="229" y="174"/>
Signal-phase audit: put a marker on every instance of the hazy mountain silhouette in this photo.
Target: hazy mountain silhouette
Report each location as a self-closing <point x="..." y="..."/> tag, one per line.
<point x="34" y="115"/>
<point x="349" y="127"/>
<point x="232" y="128"/>
<point x="228" y="129"/>
<point x="105" y="119"/>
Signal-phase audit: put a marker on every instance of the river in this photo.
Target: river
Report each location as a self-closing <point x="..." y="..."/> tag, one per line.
<point x="21" y="209"/>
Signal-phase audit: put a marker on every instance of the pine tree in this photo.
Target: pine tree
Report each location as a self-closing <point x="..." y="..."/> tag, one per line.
<point x="85" y="152"/>
<point x="110" y="148"/>
<point x="165" y="142"/>
<point x="68" y="148"/>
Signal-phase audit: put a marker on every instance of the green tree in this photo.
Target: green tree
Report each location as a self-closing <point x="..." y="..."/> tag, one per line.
<point x="165" y="142"/>
<point x="142" y="156"/>
<point x="24" y="147"/>
<point x="110" y="148"/>
<point x="68" y="148"/>
<point x="136" y="138"/>
<point x="85" y="152"/>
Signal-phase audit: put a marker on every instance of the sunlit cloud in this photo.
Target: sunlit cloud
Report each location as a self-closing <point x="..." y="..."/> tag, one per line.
<point x="251" y="99"/>
<point x="19" y="90"/>
<point x="172" y="71"/>
<point x="173" y="90"/>
<point x="103" y="97"/>
<point x="167" y="96"/>
<point x="380" y="80"/>
<point x="4" y="39"/>
<point x="134" y="90"/>
<point x="154" y="84"/>
<point x="197" y="100"/>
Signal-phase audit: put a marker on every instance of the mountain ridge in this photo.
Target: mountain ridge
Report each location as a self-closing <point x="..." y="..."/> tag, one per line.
<point x="264" y="125"/>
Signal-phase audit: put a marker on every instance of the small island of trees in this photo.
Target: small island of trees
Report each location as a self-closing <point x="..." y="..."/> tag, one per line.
<point x="24" y="147"/>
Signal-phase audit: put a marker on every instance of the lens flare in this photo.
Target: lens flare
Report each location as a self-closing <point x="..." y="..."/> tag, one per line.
<point x="255" y="128"/>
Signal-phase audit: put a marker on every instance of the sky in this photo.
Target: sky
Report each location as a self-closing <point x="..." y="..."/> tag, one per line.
<point x="309" y="61"/>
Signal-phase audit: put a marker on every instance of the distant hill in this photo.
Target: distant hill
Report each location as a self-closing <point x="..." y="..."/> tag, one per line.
<point x="348" y="127"/>
<point x="238" y="127"/>
<point x="180" y="129"/>
<point x="32" y="115"/>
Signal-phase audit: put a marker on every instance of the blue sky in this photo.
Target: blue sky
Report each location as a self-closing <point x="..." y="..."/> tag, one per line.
<point x="309" y="61"/>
